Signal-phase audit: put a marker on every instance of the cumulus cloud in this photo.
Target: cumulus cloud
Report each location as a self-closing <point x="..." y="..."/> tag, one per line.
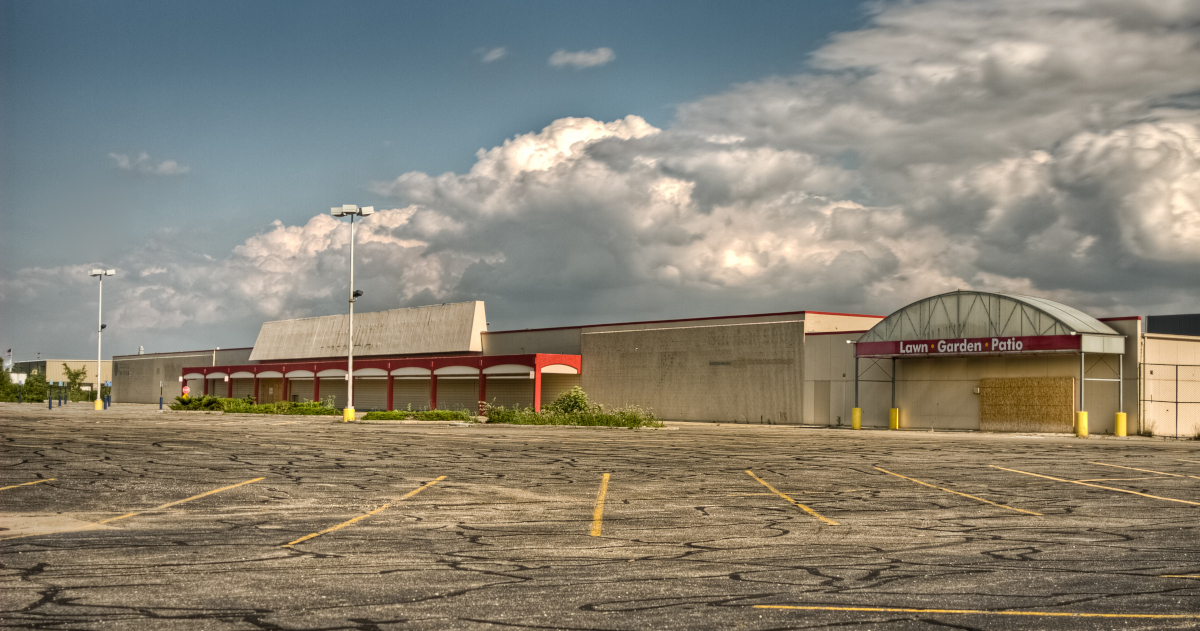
<point x="489" y="55"/>
<point x="1043" y="147"/>
<point x="143" y="164"/>
<point x="582" y="59"/>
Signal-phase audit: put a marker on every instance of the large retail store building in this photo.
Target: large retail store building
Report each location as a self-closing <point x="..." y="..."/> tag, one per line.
<point x="962" y="360"/>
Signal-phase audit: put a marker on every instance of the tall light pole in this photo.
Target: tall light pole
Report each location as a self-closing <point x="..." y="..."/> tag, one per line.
<point x="101" y="273"/>
<point x="353" y="211"/>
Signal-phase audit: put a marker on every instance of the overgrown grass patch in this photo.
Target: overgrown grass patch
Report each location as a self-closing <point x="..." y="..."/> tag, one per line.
<point x="248" y="406"/>
<point x="594" y="416"/>
<point x="425" y="415"/>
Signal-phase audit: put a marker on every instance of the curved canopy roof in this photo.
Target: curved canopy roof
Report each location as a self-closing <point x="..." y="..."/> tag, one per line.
<point x="970" y="314"/>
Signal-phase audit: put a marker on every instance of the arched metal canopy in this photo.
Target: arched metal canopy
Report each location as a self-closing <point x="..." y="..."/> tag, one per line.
<point x="974" y="314"/>
<point x="976" y="322"/>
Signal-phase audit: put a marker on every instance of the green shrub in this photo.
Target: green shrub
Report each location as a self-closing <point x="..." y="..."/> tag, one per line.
<point x="569" y="402"/>
<point x="248" y="406"/>
<point x="427" y="415"/>
<point x="206" y="403"/>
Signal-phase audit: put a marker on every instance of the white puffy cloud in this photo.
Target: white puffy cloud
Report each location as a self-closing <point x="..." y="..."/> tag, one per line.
<point x="489" y="55"/>
<point x="1048" y="148"/>
<point x="143" y="164"/>
<point x="582" y="59"/>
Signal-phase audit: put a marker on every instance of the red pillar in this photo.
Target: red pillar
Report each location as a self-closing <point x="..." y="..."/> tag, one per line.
<point x="283" y="390"/>
<point x="205" y="385"/>
<point x="537" y="388"/>
<point x="229" y="387"/>
<point x="432" y="392"/>
<point x="482" y="391"/>
<point x="391" y="382"/>
<point x="316" y="387"/>
<point x="256" y="387"/>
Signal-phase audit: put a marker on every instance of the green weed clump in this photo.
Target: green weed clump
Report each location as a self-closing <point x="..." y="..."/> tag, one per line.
<point x="425" y="415"/>
<point x="573" y="408"/>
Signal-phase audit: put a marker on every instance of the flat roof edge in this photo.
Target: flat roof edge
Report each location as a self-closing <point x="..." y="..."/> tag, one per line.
<point x="724" y="317"/>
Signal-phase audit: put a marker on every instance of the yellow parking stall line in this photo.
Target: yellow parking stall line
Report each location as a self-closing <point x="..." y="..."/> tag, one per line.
<point x="1115" y="479"/>
<point x="1174" y="475"/>
<point x="5" y="488"/>
<point x="792" y="501"/>
<point x="598" y="511"/>
<point x="142" y="512"/>
<point x="1107" y="488"/>
<point x="978" y="499"/>
<point x="984" y="612"/>
<point x="364" y="515"/>
<point x="1181" y="576"/>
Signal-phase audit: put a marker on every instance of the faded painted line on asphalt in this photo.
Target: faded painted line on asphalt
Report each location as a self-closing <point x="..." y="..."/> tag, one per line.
<point x="1115" y="479"/>
<point x="792" y="501"/>
<point x="598" y="511"/>
<point x="1107" y="488"/>
<point x="1174" y="475"/>
<point x="983" y="612"/>
<point x="978" y="499"/>
<point x="5" y="488"/>
<point x="1181" y="576"/>
<point x="364" y="515"/>
<point x="142" y="512"/>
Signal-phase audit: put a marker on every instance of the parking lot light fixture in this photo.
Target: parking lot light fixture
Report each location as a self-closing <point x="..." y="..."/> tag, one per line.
<point x="352" y="211"/>
<point x="100" y="273"/>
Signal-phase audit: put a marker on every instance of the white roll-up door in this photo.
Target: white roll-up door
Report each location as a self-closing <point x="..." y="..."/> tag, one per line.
<point x="554" y="385"/>
<point x="300" y="390"/>
<point x="334" y="387"/>
<point x="510" y="392"/>
<point x="243" y="388"/>
<point x="410" y="394"/>
<point x="370" y="393"/>
<point x="458" y="394"/>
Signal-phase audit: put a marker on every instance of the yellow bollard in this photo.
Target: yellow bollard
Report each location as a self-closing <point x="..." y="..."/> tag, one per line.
<point x="347" y="415"/>
<point x="1119" y="428"/>
<point x="99" y="404"/>
<point x="894" y="418"/>
<point x="855" y="418"/>
<point x="1081" y="424"/>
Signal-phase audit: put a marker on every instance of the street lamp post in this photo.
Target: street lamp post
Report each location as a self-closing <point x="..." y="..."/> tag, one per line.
<point x="353" y="211"/>
<point x="101" y="273"/>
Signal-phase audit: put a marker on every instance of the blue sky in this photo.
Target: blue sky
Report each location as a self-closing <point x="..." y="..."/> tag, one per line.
<point x="684" y="160"/>
<point x="279" y="109"/>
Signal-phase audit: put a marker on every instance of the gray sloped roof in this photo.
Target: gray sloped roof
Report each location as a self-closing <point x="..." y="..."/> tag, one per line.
<point x="449" y="328"/>
<point x="983" y="314"/>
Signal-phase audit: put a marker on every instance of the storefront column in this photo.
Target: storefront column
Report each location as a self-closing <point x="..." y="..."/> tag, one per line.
<point x="482" y="392"/>
<point x="537" y="389"/>
<point x="432" y="391"/>
<point x="1081" y="417"/>
<point x="894" y="412"/>
<point x="390" y="387"/>
<point x="316" y="387"/>
<point x="229" y="387"/>
<point x="255" y="388"/>
<point x="283" y="390"/>
<point x="856" y="412"/>
<point x="205" y="385"/>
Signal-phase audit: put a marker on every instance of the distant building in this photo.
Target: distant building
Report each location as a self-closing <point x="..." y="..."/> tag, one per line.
<point x="53" y="369"/>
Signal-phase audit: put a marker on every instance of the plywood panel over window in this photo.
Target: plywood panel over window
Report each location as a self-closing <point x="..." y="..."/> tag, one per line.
<point x="458" y="394"/>
<point x="1026" y="404"/>
<point x="370" y="394"/>
<point x="510" y="392"/>
<point x="554" y="385"/>
<point x="410" y="394"/>
<point x="270" y="390"/>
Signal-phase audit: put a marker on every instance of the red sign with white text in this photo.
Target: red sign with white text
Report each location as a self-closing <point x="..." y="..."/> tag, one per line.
<point x="969" y="346"/>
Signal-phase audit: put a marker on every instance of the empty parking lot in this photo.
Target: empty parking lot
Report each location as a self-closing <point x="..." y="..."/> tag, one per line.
<point x="133" y="519"/>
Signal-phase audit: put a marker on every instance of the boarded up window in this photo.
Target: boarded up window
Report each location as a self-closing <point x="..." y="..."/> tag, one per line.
<point x="1027" y="404"/>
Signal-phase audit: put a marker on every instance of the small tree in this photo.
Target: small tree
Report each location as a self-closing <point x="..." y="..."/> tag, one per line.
<point x="75" y="377"/>
<point x="573" y="400"/>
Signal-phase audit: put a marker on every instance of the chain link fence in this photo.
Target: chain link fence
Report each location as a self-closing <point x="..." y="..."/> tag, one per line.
<point x="1170" y="400"/>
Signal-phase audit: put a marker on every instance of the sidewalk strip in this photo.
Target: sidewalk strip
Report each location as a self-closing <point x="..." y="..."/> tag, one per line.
<point x="1098" y="486"/>
<point x="978" y="499"/>
<point x="5" y="488"/>
<point x="364" y="515"/>
<point x="982" y="612"/>
<point x="598" y="511"/>
<point x="792" y="501"/>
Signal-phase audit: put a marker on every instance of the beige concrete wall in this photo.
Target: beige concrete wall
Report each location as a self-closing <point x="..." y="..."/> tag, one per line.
<point x="559" y="341"/>
<point x="135" y="378"/>
<point x="828" y="322"/>
<point x="1162" y="387"/>
<point x="829" y="382"/>
<point x="747" y="373"/>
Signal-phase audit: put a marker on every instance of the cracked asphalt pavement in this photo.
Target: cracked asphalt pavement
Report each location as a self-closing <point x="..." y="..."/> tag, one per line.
<point x="134" y="519"/>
